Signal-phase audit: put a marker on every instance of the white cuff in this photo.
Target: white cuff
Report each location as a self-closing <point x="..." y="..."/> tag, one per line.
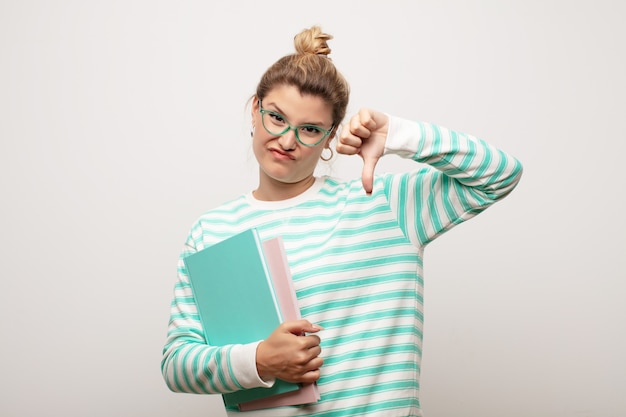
<point x="243" y="360"/>
<point x="403" y="138"/>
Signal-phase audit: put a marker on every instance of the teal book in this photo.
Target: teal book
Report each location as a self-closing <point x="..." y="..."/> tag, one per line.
<point x="285" y="292"/>
<point x="236" y="301"/>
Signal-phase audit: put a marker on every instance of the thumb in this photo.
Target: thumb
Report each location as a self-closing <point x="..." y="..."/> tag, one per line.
<point x="299" y="327"/>
<point x="367" y="176"/>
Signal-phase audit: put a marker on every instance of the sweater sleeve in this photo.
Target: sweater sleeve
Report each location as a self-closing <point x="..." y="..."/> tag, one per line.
<point x="189" y="364"/>
<point x="464" y="175"/>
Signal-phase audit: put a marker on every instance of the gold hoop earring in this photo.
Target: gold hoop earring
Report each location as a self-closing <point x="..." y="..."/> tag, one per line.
<point x="330" y="157"/>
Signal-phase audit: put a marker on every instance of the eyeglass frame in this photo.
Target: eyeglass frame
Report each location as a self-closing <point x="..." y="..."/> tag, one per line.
<point x="289" y="127"/>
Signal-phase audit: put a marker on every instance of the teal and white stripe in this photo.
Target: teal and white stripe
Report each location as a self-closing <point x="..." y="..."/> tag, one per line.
<point x="356" y="262"/>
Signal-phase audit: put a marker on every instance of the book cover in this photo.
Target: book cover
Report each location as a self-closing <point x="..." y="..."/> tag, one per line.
<point x="236" y="302"/>
<point x="283" y="286"/>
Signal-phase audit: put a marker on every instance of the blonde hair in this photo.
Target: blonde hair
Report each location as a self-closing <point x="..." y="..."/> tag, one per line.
<point x="311" y="71"/>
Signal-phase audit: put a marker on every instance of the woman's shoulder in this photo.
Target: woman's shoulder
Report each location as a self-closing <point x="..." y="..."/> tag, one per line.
<point x="234" y="204"/>
<point x="224" y="212"/>
<point x="216" y="223"/>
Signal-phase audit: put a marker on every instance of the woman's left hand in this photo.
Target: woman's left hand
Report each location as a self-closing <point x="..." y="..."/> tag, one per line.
<point x="365" y="135"/>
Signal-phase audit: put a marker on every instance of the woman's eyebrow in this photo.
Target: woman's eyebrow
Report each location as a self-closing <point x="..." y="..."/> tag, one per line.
<point x="278" y="109"/>
<point x="282" y="113"/>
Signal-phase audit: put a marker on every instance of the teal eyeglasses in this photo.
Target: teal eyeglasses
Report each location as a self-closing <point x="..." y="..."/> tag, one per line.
<point x="277" y="125"/>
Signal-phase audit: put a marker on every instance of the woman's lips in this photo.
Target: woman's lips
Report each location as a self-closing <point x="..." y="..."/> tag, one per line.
<point x="282" y="155"/>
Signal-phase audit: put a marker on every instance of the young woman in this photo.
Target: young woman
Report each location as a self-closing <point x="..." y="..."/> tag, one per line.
<point x="355" y="248"/>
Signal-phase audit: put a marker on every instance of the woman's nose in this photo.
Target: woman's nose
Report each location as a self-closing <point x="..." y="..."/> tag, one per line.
<point x="288" y="140"/>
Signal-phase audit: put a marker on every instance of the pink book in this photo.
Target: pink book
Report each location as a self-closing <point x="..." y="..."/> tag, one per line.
<point x="286" y="294"/>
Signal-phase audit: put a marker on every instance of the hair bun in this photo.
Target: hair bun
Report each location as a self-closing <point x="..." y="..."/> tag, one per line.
<point x="312" y="41"/>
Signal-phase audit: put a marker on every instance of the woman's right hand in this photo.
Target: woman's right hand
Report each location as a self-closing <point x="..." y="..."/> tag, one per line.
<point x="291" y="354"/>
<point x="365" y="135"/>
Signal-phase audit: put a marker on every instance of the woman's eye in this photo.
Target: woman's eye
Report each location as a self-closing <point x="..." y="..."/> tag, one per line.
<point x="277" y="118"/>
<point x="314" y="130"/>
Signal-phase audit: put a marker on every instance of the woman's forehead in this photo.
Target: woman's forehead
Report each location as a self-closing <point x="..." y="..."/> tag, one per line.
<point x="290" y="102"/>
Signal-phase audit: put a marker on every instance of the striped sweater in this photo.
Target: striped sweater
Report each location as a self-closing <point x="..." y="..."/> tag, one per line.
<point x="356" y="262"/>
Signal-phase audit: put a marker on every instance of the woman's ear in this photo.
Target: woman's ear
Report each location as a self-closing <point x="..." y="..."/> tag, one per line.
<point x="255" y="106"/>
<point x="329" y="139"/>
<point x="333" y="133"/>
<point x="254" y="110"/>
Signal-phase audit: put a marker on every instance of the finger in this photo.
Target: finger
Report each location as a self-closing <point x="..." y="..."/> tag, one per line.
<point x="302" y="358"/>
<point x="310" y="341"/>
<point x="362" y="124"/>
<point x="315" y="351"/>
<point x="348" y="143"/>
<point x="366" y="117"/>
<point x="313" y="365"/>
<point x="299" y="327"/>
<point x="349" y="139"/>
<point x="345" y="148"/>
<point x="316" y="363"/>
<point x="367" y="175"/>
<point x="310" y="376"/>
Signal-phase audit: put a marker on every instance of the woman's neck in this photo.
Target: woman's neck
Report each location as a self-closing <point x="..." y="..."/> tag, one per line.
<point x="272" y="190"/>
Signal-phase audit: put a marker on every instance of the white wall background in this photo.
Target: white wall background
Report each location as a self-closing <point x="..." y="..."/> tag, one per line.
<point x="122" y="121"/>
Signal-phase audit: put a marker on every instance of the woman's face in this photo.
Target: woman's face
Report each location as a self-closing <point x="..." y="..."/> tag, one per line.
<point x="284" y="162"/>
